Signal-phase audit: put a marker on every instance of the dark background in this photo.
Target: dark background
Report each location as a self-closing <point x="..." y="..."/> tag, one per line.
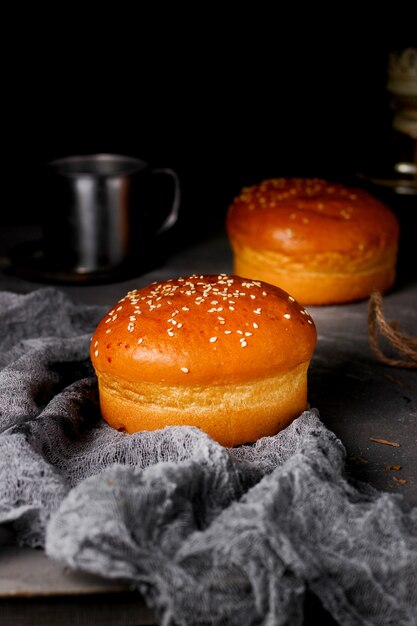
<point x="224" y="100"/>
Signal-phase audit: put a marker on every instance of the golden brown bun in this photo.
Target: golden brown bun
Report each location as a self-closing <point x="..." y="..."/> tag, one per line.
<point x="222" y="353"/>
<point x="323" y="243"/>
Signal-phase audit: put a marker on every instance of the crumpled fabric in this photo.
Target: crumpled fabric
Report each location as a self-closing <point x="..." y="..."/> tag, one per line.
<point x="209" y="535"/>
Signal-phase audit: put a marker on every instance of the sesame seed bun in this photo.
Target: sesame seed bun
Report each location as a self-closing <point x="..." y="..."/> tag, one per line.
<point x="324" y="243"/>
<point x="222" y="353"/>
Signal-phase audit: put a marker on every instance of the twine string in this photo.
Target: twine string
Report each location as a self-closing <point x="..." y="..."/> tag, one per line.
<point x="404" y="344"/>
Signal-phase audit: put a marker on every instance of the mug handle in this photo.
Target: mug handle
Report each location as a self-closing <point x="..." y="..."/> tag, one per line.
<point x="172" y="218"/>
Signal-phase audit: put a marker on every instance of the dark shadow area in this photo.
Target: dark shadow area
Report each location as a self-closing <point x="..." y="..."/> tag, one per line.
<point x="226" y="108"/>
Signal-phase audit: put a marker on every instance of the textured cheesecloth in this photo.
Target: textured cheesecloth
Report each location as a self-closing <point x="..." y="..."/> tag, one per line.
<point x="209" y="535"/>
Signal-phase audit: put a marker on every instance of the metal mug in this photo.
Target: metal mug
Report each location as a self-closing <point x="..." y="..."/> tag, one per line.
<point x="100" y="214"/>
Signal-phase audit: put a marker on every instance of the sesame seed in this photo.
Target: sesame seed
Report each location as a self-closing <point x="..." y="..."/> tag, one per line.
<point x="232" y="308"/>
<point x="96" y="353"/>
<point x="258" y="311"/>
<point x="287" y="315"/>
<point x="108" y="331"/>
<point x="179" y="325"/>
<point x="227" y="332"/>
<point x="247" y="334"/>
<point x="255" y="325"/>
<point x="291" y="298"/>
<point x="96" y="343"/>
<point x="213" y="339"/>
<point x="243" y="344"/>
<point x="170" y="333"/>
<point x="185" y="370"/>
<point x="140" y="341"/>
<point x="309" y="321"/>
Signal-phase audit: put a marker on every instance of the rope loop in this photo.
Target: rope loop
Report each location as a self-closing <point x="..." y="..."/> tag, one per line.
<point x="405" y="345"/>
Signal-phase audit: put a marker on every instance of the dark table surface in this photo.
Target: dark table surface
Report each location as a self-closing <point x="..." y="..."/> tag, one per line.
<point x="358" y="397"/>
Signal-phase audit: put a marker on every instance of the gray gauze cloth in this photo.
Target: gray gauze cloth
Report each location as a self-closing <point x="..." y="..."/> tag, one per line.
<point x="209" y="535"/>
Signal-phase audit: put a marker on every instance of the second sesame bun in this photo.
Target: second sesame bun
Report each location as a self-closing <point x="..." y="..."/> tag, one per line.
<point x="222" y="353"/>
<point x="324" y="243"/>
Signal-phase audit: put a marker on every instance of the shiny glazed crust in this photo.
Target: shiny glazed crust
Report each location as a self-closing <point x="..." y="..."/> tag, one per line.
<point x="325" y="242"/>
<point x="223" y="353"/>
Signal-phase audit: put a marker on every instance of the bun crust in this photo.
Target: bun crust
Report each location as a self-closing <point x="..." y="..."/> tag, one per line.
<point x="222" y="353"/>
<point x="324" y="243"/>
